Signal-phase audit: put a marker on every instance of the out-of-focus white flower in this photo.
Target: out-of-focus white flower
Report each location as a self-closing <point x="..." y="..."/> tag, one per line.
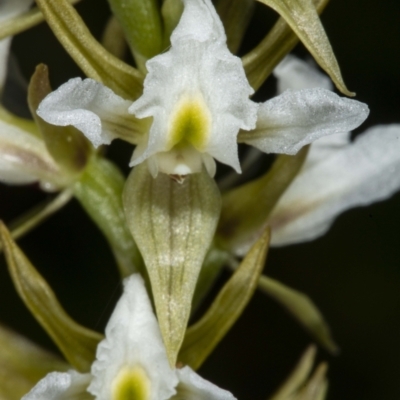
<point x="131" y="362"/>
<point x="8" y="10"/>
<point x="197" y="95"/>
<point x="338" y="174"/>
<point x="23" y="155"/>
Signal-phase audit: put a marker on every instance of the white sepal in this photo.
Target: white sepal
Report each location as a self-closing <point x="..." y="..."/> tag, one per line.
<point x="91" y="107"/>
<point x="296" y="118"/>
<point x="198" y="67"/>
<point x="61" y="386"/>
<point x="294" y="73"/>
<point x="192" y="386"/>
<point x="133" y="340"/>
<point x="360" y="173"/>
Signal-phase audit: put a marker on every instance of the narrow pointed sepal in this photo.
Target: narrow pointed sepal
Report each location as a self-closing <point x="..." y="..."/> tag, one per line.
<point x="23" y="21"/>
<point x="300" y="385"/>
<point x="302" y="308"/>
<point x="202" y="337"/>
<point x="303" y="18"/>
<point x="90" y="55"/>
<point x="280" y="40"/>
<point x="173" y="225"/>
<point x="77" y="343"/>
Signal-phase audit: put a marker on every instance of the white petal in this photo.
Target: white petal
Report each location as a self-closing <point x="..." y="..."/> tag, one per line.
<point x="361" y="173"/>
<point x="325" y="147"/>
<point x="133" y="340"/>
<point x="8" y="10"/>
<point x="288" y="122"/>
<point x="194" y="387"/>
<point x="24" y="158"/>
<point x="294" y="73"/>
<point x="198" y="66"/>
<point x="91" y="107"/>
<point x="61" y="386"/>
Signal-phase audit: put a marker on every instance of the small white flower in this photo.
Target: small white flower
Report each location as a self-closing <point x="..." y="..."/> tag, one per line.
<point x="197" y="95"/>
<point x="338" y="174"/>
<point x="131" y="362"/>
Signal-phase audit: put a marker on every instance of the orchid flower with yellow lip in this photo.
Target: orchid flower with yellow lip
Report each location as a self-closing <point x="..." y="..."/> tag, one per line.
<point x="196" y="106"/>
<point x="131" y="362"/>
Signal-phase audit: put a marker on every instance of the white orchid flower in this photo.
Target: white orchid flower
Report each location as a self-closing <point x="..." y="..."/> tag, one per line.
<point x="9" y="9"/>
<point x="23" y="155"/>
<point x="197" y="95"/>
<point x="338" y="174"/>
<point x="131" y="362"/>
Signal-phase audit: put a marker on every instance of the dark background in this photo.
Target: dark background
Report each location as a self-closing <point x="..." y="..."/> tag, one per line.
<point x="352" y="273"/>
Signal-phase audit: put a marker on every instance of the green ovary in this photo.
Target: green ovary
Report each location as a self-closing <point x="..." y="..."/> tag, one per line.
<point x="190" y="123"/>
<point x="131" y="384"/>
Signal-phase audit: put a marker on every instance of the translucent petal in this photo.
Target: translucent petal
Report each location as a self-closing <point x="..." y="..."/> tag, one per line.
<point x="288" y="122"/>
<point x="198" y="66"/>
<point x="61" y="386"/>
<point x="78" y="344"/>
<point x="92" y="108"/>
<point x="302" y="16"/>
<point x="194" y="387"/>
<point x="133" y="340"/>
<point x="360" y="173"/>
<point x="294" y="73"/>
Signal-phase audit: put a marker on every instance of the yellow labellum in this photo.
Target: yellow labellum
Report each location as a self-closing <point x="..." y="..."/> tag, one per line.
<point x="190" y="123"/>
<point x="131" y="384"/>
